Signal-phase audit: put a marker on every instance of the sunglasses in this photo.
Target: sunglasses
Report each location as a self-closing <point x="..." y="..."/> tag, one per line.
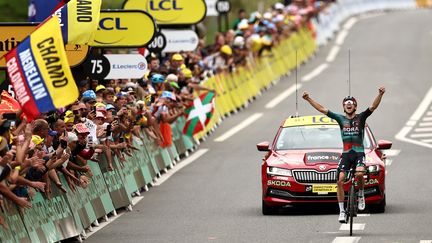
<point x="349" y="102"/>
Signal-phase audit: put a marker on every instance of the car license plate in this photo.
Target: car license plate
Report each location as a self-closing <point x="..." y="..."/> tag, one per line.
<point x="324" y="188"/>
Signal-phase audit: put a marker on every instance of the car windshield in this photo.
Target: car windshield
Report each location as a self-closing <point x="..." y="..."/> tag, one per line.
<point x="312" y="137"/>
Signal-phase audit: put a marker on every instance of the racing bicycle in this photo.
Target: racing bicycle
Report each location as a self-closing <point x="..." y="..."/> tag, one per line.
<point x="352" y="207"/>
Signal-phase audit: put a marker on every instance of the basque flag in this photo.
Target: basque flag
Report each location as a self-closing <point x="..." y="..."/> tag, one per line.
<point x="79" y="20"/>
<point x="39" y="71"/>
<point x="199" y="113"/>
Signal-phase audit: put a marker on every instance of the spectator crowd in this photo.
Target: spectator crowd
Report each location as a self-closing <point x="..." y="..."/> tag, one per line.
<point x="109" y="114"/>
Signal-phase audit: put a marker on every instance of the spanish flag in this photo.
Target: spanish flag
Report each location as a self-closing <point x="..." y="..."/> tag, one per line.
<point x="79" y="20"/>
<point x="39" y="71"/>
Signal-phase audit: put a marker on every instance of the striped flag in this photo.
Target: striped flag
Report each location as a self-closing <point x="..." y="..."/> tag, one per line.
<point x="79" y="20"/>
<point x="199" y="113"/>
<point x="39" y="71"/>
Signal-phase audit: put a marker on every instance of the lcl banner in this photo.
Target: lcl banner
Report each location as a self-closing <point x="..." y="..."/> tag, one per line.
<point x="171" y="12"/>
<point x="124" y="29"/>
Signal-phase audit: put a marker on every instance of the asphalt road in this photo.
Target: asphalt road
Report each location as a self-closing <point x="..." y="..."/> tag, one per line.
<point x="217" y="198"/>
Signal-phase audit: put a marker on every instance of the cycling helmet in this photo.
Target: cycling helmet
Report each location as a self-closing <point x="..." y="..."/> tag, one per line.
<point x="349" y="98"/>
<point x="157" y="78"/>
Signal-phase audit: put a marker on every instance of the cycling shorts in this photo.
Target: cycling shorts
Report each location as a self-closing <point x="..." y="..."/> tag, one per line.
<point x="351" y="160"/>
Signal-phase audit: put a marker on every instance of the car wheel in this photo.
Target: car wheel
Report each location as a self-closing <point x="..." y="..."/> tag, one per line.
<point x="380" y="207"/>
<point x="269" y="210"/>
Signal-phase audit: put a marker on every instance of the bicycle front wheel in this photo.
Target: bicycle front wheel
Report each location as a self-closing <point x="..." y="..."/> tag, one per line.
<point x="351" y="208"/>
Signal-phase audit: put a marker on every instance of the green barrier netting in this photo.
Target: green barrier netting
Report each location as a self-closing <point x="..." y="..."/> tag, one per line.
<point x="17" y="231"/>
<point x="50" y="220"/>
<point x="68" y="215"/>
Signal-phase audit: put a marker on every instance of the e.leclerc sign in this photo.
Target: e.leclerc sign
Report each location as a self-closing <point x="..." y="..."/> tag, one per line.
<point x="124" y="28"/>
<point x="171" y="12"/>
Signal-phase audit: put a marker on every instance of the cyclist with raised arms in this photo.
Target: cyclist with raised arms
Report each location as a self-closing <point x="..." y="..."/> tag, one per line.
<point x="352" y="131"/>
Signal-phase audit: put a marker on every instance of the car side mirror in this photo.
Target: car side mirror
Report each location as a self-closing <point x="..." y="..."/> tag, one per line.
<point x="263" y="146"/>
<point x="384" y="144"/>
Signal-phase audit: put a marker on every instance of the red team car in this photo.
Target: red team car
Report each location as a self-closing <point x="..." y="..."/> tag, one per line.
<point x="300" y="165"/>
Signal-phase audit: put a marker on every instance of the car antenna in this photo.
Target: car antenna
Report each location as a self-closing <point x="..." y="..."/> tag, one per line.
<point x="349" y="71"/>
<point x="296" y="79"/>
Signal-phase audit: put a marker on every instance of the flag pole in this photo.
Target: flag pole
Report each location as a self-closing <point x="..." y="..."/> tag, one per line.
<point x="296" y="79"/>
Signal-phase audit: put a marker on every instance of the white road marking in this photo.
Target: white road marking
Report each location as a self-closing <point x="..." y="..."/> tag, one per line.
<point x="427" y="140"/>
<point x="429" y="113"/>
<point x="415" y="117"/>
<point x="281" y="97"/>
<point x="355" y="226"/>
<point x="427" y="119"/>
<point x="332" y="54"/>
<point x="425" y="124"/>
<point x="363" y="215"/>
<point x="424" y="129"/>
<point x="350" y="23"/>
<point x="346" y="240"/>
<point x="425" y="241"/>
<point x="424" y="105"/>
<point x="402" y="136"/>
<point x="392" y="152"/>
<point x="317" y="71"/>
<point x="180" y="166"/>
<point x="239" y="127"/>
<point x="341" y="37"/>
<point x="421" y="135"/>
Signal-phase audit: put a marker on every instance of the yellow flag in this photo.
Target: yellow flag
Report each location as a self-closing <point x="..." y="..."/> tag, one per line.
<point x="39" y="71"/>
<point x="79" y="20"/>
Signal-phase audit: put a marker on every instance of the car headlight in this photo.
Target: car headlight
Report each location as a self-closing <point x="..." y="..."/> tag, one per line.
<point x="278" y="171"/>
<point x="373" y="169"/>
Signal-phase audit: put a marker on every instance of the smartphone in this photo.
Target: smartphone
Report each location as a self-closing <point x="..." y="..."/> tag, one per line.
<point x="108" y="130"/>
<point x="10" y="116"/>
<point x="94" y="109"/>
<point x="63" y="144"/>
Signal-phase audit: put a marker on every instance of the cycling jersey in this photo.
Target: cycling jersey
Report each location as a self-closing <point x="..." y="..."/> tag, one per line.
<point x="352" y="130"/>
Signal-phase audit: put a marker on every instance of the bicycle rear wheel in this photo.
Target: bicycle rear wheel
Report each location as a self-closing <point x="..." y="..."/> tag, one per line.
<point x="352" y="205"/>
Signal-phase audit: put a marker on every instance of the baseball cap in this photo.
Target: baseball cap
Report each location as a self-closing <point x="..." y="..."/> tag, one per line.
<point x="169" y="95"/>
<point x="81" y="128"/>
<point x="121" y="94"/>
<point x="100" y="115"/>
<point x="172" y="78"/>
<point x="72" y="137"/>
<point x="52" y="133"/>
<point x="174" y="85"/>
<point x="130" y="90"/>
<point x="36" y="139"/>
<point x="187" y="73"/>
<point x="226" y="49"/>
<point x="100" y="87"/>
<point x="177" y="57"/>
<point x="109" y="107"/>
<point x="88" y="96"/>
